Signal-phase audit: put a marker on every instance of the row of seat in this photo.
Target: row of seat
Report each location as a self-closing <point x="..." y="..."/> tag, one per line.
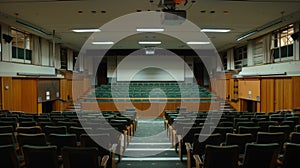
<point x="33" y="151"/>
<point x="119" y="126"/>
<point x="231" y="128"/>
<point x="157" y="90"/>
<point x="255" y="155"/>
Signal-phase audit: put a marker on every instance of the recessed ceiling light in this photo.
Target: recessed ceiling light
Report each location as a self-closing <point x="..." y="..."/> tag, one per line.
<point x="150" y="29"/>
<point x="86" y="30"/>
<point x="198" y="42"/>
<point x="149" y="42"/>
<point x="102" y="42"/>
<point x="226" y="12"/>
<point x="213" y="30"/>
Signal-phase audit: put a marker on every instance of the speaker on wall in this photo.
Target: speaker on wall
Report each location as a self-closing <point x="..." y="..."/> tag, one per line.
<point x="295" y="36"/>
<point x="7" y="38"/>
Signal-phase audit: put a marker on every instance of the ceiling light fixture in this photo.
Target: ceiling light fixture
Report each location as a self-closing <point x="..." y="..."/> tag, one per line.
<point x="259" y="29"/>
<point x="102" y="42"/>
<point x="33" y="27"/>
<point x="85" y="30"/>
<point x="149" y="42"/>
<point x="246" y="35"/>
<point x="150" y="29"/>
<point x="198" y="42"/>
<point x="214" y="30"/>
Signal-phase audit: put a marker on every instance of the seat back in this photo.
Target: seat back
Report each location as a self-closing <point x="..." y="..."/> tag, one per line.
<point x="286" y="129"/>
<point x="238" y="139"/>
<point x="55" y="130"/>
<point x="245" y="123"/>
<point x="6" y="129"/>
<point x="264" y="125"/>
<point x="62" y="140"/>
<point x="7" y="139"/>
<point x="252" y="130"/>
<point x="201" y="140"/>
<point x="221" y="156"/>
<point x="261" y="155"/>
<point x="101" y="141"/>
<point x="40" y="156"/>
<point x="78" y="131"/>
<point x="68" y="124"/>
<point x="27" y="124"/>
<point x="9" y="123"/>
<point x="291" y="155"/>
<point x="270" y="137"/>
<point x="295" y="137"/>
<point x="223" y="131"/>
<point x="29" y="130"/>
<point x="8" y="156"/>
<point x="31" y="139"/>
<point x="78" y="157"/>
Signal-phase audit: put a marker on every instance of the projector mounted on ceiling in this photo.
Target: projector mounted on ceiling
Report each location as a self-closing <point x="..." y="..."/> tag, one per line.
<point x="171" y="15"/>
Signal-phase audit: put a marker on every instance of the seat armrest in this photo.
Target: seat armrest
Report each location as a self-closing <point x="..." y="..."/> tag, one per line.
<point x="198" y="161"/>
<point x="179" y="137"/>
<point x="188" y="147"/>
<point x="104" y="161"/>
<point x="113" y="148"/>
<point x="189" y="154"/>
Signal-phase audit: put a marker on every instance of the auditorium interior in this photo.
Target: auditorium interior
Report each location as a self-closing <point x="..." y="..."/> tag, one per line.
<point x="149" y="83"/>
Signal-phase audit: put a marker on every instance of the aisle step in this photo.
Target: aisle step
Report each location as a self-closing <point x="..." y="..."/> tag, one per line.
<point x="150" y="147"/>
<point x="153" y="159"/>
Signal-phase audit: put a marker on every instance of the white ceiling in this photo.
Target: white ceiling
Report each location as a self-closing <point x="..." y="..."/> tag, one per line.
<point x="61" y="16"/>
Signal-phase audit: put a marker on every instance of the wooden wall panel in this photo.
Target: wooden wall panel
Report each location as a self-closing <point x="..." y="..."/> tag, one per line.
<point x="236" y="105"/>
<point x="59" y="105"/>
<point x="7" y="94"/>
<point x="69" y="89"/>
<point x="267" y="95"/>
<point x="249" y="89"/>
<point x="1" y="108"/>
<point x="288" y="93"/>
<point x="144" y="109"/>
<point x="17" y="94"/>
<point x="258" y="107"/>
<point x="29" y="96"/>
<point x="218" y="85"/>
<point x="263" y="95"/>
<point x="283" y="94"/>
<point x="296" y="92"/>
<point x="63" y="89"/>
<point x="279" y="84"/>
<point x="77" y="86"/>
<point x="228" y="89"/>
<point x="270" y="95"/>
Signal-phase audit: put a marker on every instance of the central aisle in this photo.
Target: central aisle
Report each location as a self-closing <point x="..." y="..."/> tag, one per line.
<point x="150" y="147"/>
